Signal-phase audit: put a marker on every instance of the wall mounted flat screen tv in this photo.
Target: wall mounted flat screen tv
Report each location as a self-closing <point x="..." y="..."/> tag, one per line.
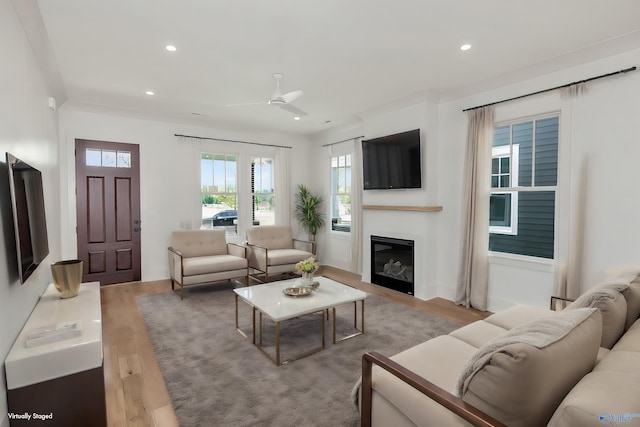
<point x="27" y="203"/>
<point x="392" y="162"/>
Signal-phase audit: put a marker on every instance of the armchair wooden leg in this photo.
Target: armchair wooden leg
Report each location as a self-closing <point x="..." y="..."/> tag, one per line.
<point x="181" y="292"/>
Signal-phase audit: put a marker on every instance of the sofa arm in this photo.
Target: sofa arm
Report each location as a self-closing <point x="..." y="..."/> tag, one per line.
<point x="257" y="256"/>
<point x="175" y="264"/>
<point x="454" y="404"/>
<point x="305" y="245"/>
<point x="559" y="303"/>
<point x="237" y="250"/>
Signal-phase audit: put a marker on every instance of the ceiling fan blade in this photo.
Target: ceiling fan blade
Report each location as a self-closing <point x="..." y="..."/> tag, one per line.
<point x="245" y="103"/>
<point x="291" y="96"/>
<point x="295" y="110"/>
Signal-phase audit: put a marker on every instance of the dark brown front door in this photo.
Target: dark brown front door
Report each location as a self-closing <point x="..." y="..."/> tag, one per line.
<point x="108" y="210"/>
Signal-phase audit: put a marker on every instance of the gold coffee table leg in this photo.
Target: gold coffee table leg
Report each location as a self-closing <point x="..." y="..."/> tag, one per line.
<point x="355" y="322"/>
<point x="277" y="343"/>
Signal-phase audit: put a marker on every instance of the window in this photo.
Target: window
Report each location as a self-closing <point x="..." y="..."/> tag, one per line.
<point x="503" y="205"/>
<point x="262" y="191"/>
<point x="108" y="158"/>
<point x="341" y="193"/>
<point x="524" y="173"/>
<point x="218" y="177"/>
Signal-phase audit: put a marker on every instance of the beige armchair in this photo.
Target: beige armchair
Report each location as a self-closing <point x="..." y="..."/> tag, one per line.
<point x="272" y="250"/>
<point x="204" y="256"/>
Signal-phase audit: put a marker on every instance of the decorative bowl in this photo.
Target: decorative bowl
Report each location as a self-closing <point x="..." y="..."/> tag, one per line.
<point x="297" y="292"/>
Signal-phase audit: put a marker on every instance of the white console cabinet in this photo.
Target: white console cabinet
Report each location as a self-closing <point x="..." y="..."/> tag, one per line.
<point x="61" y="382"/>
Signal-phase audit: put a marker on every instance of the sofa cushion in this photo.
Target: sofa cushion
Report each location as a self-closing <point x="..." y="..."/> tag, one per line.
<point x="287" y="256"/>
<point x="613" y="307"/>
<point x="521" y="377"/>
<point x="477" y="333"/>
<point x="517" y="315"/>
<point x="631" y="276"/>
<point x="628" y="284"/>
<point x="438" y="360"/>
<point x="601" y="397"/>
<point x="620" y="361"/>
<point x="271" y="237"/>
<point x="212" y="264"/>
<point x="630" y="341"/>
<point x="194" y="243"/>
<point x="631" y="295"/>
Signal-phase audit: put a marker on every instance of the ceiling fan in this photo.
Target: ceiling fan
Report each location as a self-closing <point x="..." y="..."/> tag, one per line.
<point x="279" y="99"/>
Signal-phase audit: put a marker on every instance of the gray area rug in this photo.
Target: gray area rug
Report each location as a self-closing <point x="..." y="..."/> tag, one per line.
<point x="216" y="377"/>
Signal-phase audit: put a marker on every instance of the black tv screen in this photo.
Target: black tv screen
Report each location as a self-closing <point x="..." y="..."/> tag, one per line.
<point x="392" y="162"/>
<point x="27" y="203"/>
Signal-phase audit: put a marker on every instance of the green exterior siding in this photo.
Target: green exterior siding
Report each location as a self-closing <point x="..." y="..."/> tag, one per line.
<point x="537" y="166"/>
<point x="535" y="227"/>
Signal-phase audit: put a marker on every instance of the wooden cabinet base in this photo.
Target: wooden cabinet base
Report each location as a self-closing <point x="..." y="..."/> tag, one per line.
<point x="70" y="401"/>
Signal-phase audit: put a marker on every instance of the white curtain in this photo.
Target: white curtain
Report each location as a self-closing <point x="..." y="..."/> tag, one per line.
<point x="282" y="178"/>
<point x="193" y="147"/>
<point x="568" y="266"/>
<point x="473" y="273"/>
<point x="356" y="207"/>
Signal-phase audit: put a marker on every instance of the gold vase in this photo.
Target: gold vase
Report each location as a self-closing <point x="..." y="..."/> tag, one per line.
<point x="67" y="277"/>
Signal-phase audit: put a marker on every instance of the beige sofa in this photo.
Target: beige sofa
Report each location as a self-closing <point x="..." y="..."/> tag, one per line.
<point x="204" y="256"/>
<point x="525" y="366"/>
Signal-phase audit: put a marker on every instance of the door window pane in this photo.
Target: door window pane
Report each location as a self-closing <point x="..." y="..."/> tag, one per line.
<point x="108" y="158"/>
<point x="124" y="159"/>
<point x="94" y="157"/>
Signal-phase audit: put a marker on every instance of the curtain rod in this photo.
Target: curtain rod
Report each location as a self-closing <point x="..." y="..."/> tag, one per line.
<point x="344" y="140"/>
<point x="232" y="140"/>
<point x="554" y="88"/>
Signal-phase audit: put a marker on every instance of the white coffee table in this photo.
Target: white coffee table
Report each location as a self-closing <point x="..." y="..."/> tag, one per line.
<point x="269" y="300"/>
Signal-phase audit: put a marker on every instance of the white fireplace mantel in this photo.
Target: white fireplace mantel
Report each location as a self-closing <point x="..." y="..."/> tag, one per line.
<point x="402" y="208"/>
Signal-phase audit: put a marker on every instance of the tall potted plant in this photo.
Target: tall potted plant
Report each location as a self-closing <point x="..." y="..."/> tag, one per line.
<point x="308" y="211"/>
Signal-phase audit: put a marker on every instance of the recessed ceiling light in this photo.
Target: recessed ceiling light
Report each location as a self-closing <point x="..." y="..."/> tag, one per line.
<point x="465" y="47"/>
<point x="296" y="118"/>
<point x="170" y="48"/>
<point x="150" y="92"/>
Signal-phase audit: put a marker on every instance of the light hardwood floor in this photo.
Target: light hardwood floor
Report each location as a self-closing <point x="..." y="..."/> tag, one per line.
<point x="135" y="391"/>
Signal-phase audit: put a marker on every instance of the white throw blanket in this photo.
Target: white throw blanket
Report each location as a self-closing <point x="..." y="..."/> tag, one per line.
<point x="539" y="333"/>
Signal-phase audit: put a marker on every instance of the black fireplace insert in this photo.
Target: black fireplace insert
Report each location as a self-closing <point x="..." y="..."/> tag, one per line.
<point x="392" y="263"/>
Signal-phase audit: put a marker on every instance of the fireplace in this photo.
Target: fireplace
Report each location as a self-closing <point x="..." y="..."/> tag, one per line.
<point x="392" y="263"/>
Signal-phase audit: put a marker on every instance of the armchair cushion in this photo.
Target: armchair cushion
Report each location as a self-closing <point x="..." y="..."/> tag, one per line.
<point x="212" y="264"/>
<point x="195" y="243"/>
<point x="287" y="256"/>
<point x="271" y="237"/>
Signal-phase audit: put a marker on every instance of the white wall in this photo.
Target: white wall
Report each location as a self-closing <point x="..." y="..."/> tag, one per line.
<point x="169" y="172"/>
<point x="421" y="227"/>
<point x="28" y="130"/>
<point x="598" y="140"/>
